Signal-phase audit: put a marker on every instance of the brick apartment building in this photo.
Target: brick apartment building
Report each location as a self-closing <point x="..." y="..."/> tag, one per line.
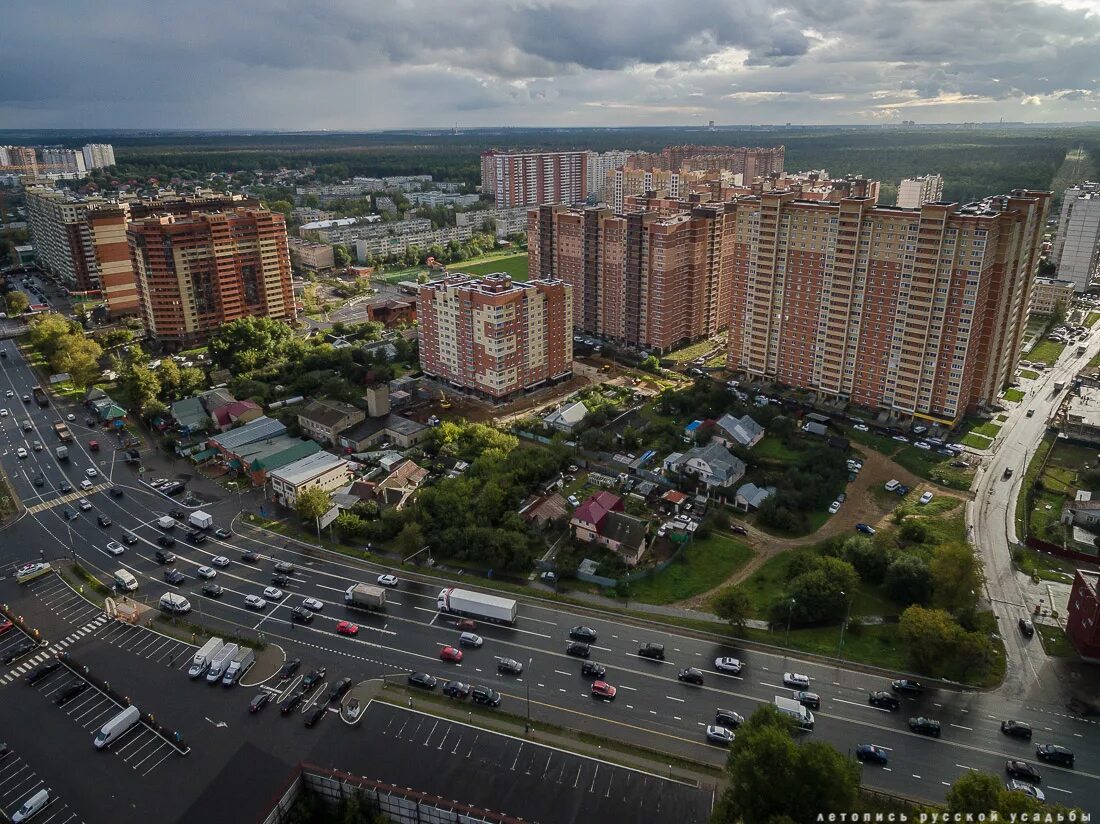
<point x="198" y="272"/>
<point x="642" y="279"/>
<point x="748" y="161"/>
<point x="532" y="178"/>
<point x="493" y="336"/>
<point x="917" y="312"/>
<point x="1083" y="618"/>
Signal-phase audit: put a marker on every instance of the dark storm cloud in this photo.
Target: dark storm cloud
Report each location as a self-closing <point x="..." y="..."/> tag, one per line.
<point x="392" y="63"/>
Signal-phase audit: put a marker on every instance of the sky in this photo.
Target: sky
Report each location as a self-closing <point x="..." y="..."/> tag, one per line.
<point x="390" y="64"/>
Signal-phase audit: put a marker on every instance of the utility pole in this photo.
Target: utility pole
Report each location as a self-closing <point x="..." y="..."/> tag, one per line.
<point x="790" y="611"/>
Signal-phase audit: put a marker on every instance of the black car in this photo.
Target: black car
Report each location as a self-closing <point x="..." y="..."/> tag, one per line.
<point x="509" y="666"/>
<point x="19" y="651"/>
<point x="165" y="557"/>
<point x="195" y="537"/>
<point x="290" y="667"/>
<point x="301" y="615"/>
<point x="886" y="700"/>
<point x="66" y="486"/>
<point x="129" y="538"/>
<point x="250" y="557"/>
<point x="70" y="692"/>
<point x="69" y="514"/>
<point x="925" y="726"/>
<point x="907" y="685"/>
<point x="39" y="480"/>
<point x="37" y="675"/>
<point x="291" y="704"/>
<point x="1023" y="771"/>
<point x="116" y="491"/>
<point x="166" y="540"/>
<point x="103" y="520"/>
<point x="690" y="675"/>
<point x="1054" y="754"/>
<point x="593" y="670"/>
<point x="222" y="534"/>
<point x="655" y="651"/>
<point x="456" y="689"/>
<point x="577" y="648"/>
<point x="174" y="577"/>
<point x="586" y="634"/>
<point x="280" y="580"/>
<point x="313" y="678"/>
<point x="1026" y="627"/>
<point x="869" y="752"/>
<point x="422" y="680"/>
<point x="212" y="589"/>
<point x="338" y="689"/>
<point x="728" y="718"/>
<point x="177" y="514"/>
<point x="1016" y="729"/>
<point x="315" y="715"/>
<point x="284" y="567"/>
<point x="259" y="701"/>
<point x="485" y="695"/>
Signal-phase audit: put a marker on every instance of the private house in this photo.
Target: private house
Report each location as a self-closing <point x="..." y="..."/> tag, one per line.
<point x="544" y="509"/>
<point x="600" y="519"/>
<point x="396" y="489"/>
<point x="259" y="458"/>
<point x="262" y="428"/>
<point x="321" y="470"/>
<point x="190" y="416"/>
<point x="568" y="417"/>
<point x="324" y="420"/>
<point x="230" y="414"/>
<point x="673" y="501"/>
<point x="743" y="431"/>
<point x="1084" y="511"/>
<point x="712" y="465"/>
<point x="749" y="496"/>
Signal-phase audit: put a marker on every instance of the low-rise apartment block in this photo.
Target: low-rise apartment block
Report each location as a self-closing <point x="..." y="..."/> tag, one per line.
<point x="308" y="256"/>
<point x="324" y="420"/>
<point x="321" y="470"/>
<point x="1047" y="294"/>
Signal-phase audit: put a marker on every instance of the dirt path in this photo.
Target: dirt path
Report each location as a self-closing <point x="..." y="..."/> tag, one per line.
<point x="860" y="507"/>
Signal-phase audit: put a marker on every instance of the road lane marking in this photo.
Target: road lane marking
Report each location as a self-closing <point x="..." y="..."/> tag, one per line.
<point x="559" y="672"/>
<point x="670" y="698"/>
<point x="1060" y="790"/>
<point x="961" y="727"/>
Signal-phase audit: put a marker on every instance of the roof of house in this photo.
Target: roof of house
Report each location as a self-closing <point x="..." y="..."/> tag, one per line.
<point x="545" y="507"/>
<point x="1083" y="506"/>
<point x="594" y="508"/>
<point x="815" y="428"/>
<point x="306" y="469"/>
<point x="372" y="426"/>
<point x="228" y="412"/>
<point x="406" y="473"/>
<point x="568" y="415"/>
<point x="674" y="496"/>
<point x="213" y="398"/>
<point x="189" y="413"/>
<point x="327" y="413"/>
<point x="260" y="429"/>
<point x="624" y="529"/>
<point x="276" y="452"/>
<point x="645" y="488"/>
<point x="754" y="495"/>
<point x="722" y="464"/>
<point x="743" y="430"/>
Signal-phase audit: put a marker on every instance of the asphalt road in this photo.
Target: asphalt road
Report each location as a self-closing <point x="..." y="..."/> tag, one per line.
<point x="653" y="708"/>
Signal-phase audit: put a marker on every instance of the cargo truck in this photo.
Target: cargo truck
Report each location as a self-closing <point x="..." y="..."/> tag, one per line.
<point x="165" y="522"/>
<point x="201" y="662"/>
<point x="792" y="709"/>
<point x="476" y="605"/>
<point x="200" y="519"/>
<point x="244" y="659"/>
<point x="62" y="453"/>
<point x="61" y="429"/>
<point x="41" y="396"/>
<point x="220" y="662"/>
<point x="1059" y="386"/>
<point x="364" y="596"/>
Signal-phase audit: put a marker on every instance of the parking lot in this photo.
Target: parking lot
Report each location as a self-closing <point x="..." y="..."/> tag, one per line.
<point x="19" y="781"/>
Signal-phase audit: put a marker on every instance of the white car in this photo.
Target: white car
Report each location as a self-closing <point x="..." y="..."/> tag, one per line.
<point x="10" y="394"/>
<point x="1027" y="789"/>
<point x="70" y="417"/>
<point x="834" y="507"/>
<point x="254" y="602"/>
<point x="219" y="561"/>
<point x="387" y="580"/>
<point x="730" y="665"/>
<point x="313" y="605"/>
<point x="274" y="593"/>
<point x="20" y="453"/>
<point x="926" y="498"/>
<point x="84" y="505"/>
<point x="796" y="680"/>
<point x="3" y="413"/>
<point x="91" y="472"/>
<point x="85" y="484"/>
<point x="207" y="572"/>
<point x="719" y="735"/>
<point x="115" y="548"/>
<point x="861" y="427"/>
<point x="574" y="500"/>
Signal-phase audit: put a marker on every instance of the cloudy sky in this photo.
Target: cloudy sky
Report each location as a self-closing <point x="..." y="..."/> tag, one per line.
<point x="379" y="64"/>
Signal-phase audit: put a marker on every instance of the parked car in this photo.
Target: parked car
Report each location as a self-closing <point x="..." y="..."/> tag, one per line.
<point x="485" y="696"/>
<point x="1026" y="627"/>
<point x="259" y="701"/>
<point x="456" y="689"/>
<point x="339" y="689"/>
<point x="926" y="498"/>
<point x="422" y="680"/>
<point x="290" y="667"/>
<point x="866" y="529"/>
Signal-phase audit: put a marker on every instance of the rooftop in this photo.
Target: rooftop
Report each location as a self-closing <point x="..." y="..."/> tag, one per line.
<point x="260" y="429"/>
<point x="306" y="469"/>
<point x="327" y="413"/>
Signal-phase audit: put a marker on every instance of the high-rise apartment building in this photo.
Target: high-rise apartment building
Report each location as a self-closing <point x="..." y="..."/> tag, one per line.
<point x="601" y="165"/>
<point x="646" y="280"/>
<point x="533" y="178"/>
<point x="18" y="160"/>
<point x="918" y="313"/>
<point x="98" y="155"/>
<point x="197" y="272"/>
<point x="1076" y="250"/>
<point x="62" y="162"/>
<point x="749" y="161"/>
<point x="493" y="336"/>
<point x="627" y="182"/>
<point x="914" y="192"/>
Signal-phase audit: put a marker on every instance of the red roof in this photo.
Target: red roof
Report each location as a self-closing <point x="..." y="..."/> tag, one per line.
<point x="674" y="496"/>
<point x="595" y="508"/>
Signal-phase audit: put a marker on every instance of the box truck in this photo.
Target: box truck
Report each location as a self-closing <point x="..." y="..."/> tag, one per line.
<point x="41" y="396"/>
<point x="364" y="596"/>
<point x="117" y="727"/>
<point x="476" y="605"/>
<point x="62" y="431"/>
<point x="62" y="453"/>
<point x="200" y="519"/>
<point x="220" y="662"/>
<point x="164" y="522"/>
<point x="244" y="659"/>
<point x="792" y="709"/>
<point x="201" y="662"/>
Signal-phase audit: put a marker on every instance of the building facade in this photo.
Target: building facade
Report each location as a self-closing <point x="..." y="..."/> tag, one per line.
<point x="917" y="313"/>
<point x="98" y="155"/>
<point x="601" y="165"/>
<point x="532" y="178"/>
<point x="914" y="192"/>
<point x="1083" y="619"/>
<point x="198" y="272"/>
<point x="493" y="336"/>
<point x="18" y="160"/>
<point x="309" y="256"/>
<point x="1076" y="249"/>
<point x="748" y="161"/>
<point x="1047" y="294"/>
<point x="321" y="470"/>
<point x="62" y="162"/>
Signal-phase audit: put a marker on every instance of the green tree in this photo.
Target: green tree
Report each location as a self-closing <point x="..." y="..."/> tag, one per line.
<point x="821" y="594"/>
<point x="137" y="386"/>
<point x="651" y="364"/>
<point x="244" y="344"/>
<point x="283" y="207"/>
<point x="47" y="332"/>
<point x="732" y="604"/>
<point x="931" y="637"/>
<point x="340" y="255"/>
<point x="349" y="525"/>
<point x="956" y="576"/>
<point x="974" y="793"/>
<point x="17" y="303"/>
<point x="908" y="580"/>
<point x="191" y="380"/>
<point x="409" y="540"/>
<point x="79" y="356"/>
<point x="312" y="504"/>
<point x="168" y="373"/>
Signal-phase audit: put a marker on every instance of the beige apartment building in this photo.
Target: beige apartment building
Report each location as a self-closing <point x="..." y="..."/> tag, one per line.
<point x="919" y="313"/>
<point x="1047" y="294"/>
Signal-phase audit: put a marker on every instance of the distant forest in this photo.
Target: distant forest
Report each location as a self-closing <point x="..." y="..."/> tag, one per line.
<point x="975" y="161"/>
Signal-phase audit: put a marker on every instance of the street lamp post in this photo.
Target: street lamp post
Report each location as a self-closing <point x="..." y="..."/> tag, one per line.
<point x="527" y="684"/>
<point x="790" y="611"/>
<point x="843" y="626"/>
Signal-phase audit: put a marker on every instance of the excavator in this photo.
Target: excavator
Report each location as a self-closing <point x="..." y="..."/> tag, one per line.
<point x="443" y="402"/>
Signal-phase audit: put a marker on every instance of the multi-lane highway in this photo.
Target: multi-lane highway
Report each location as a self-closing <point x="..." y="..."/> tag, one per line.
<point x="653" y="708"/>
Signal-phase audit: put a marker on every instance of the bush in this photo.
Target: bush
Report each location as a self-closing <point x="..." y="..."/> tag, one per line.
<point x="908" y="580"/>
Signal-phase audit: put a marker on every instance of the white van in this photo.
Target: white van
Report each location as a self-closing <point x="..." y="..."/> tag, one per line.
<point x="174" y="603"/>
<point x="117" y="727"/>
<point x="892" y="484"/>
<point x="125" y="581"/>
<point x="31" y="806"/>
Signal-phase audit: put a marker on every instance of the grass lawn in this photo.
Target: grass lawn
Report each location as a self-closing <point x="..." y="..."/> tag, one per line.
<point x="1043" y="566"/>
<point x="773" y="449"/>
<point x="977" y="441"/>
<point x="934" y="467"/>
<point x="702" y="566"/>
<point x="1014" y="395"/>
<point x="696" y="350"/>
<point x="1032" y="375"/>
<point x="878" y="645"/>
<point x="887" y="446"/>
<point x="1055" y="642"/>
<point x="1047" y="351"/>
<point x="514" y="265"/>
<point x="1030" y="474"/>
<point x="989" y="429"/>
<point x="1092" y="318"/>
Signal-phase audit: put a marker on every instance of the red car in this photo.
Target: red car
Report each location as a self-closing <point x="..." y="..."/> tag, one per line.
<point x="5" y="625"/>
<point x="466" y="625"/>
<point x="602" y="689"/>
<point x="451" y="654"/>
<point x="347" y="628"/>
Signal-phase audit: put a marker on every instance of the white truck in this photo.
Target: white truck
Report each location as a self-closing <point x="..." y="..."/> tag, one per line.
<point x="244" y="659"/>
<point x="166" y="522"/>
<point x="476" y="605"/>
<point x="364" y="596"/>
<point x="61" y="453"/>
<point x="201" y="662"/>
<point x="791" y="708"/>
<point x="220" y="662"/>
<point x="200" y="519"/>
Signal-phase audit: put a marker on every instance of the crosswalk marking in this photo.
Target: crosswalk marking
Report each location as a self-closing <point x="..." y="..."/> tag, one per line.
<point x="31" y="663"/>
<point x="68" y="498"/>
